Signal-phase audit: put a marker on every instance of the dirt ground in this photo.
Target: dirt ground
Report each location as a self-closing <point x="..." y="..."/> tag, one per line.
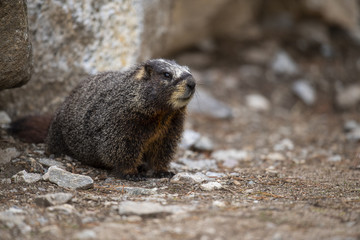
<point x="309" y="189"/>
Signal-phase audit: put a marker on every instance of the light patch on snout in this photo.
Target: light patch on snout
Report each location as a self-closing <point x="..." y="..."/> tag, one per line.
<point x="178" y="98"/>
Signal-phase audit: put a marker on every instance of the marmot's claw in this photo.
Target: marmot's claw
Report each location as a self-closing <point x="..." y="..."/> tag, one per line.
<point x="163" y="174"/>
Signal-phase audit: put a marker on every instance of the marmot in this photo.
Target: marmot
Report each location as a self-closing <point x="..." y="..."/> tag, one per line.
<point x="128" y="121"/>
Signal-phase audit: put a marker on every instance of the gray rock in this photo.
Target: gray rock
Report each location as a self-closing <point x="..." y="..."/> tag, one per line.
<point x="186" y="177"/>
<point x="283" y="145"/>
<point x="193" y="140"/>
<point x="335" y="158"/>
<point x="66" y="209"/>
<point x="350" y="125"/>
<point x="199" y="164"/>
<point x="149" y="208"/>
<point x="210" y="186"/>
<point x="204" y="103"/>
<point x="15" y="45"/>
<point x="215" y="175"/>
<point x="86" y="234"/>
<point x="68" y="180"/>
<point x="239" y="155"/>
<point x="189" y="138"/>
<point x="204" y="144"/>
<point x="348" y="97"/>
<point x="137" y="190"/>
<point x="7" y="154"/>
<point x="25" y="177"/>
<point x="283" y="64"/>
<point x="53" y="199"/>
<point x="47" y="162"/>
<point x="4" y="118"/>
<point x="14" y="218"/>
<point x="304" y="91"/>
<point x="257" y="102"/>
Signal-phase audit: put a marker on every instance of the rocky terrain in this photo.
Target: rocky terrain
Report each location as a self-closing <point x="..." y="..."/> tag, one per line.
<point x="271" y="151"/>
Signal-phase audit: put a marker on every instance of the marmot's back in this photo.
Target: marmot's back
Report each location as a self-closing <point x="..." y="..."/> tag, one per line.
<point x="125" y="121"/>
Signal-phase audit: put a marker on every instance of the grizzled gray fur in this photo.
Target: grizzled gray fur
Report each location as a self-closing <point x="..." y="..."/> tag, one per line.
<point x="128" y="121"/>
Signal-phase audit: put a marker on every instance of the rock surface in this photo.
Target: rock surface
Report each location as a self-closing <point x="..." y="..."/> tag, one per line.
<point x="53" y="199"/>
<point x="15" y="45"/>
<point x="25" y="177"/>
<point x="68" y="180"/>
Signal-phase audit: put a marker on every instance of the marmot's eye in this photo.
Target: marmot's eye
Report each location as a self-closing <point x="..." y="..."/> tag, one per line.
<point x="167" y="75"/>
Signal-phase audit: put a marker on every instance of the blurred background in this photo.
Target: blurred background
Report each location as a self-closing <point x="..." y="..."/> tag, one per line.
<point x="286" y="52"/>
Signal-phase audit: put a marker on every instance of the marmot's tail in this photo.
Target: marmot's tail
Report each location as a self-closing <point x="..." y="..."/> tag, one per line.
<point x="31" y="129"/>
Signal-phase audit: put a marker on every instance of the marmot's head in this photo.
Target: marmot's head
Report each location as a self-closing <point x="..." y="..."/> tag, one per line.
<point x="166" y="80"/>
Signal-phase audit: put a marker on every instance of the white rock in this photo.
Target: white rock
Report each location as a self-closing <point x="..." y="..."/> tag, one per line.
<point x="219" y="204"/>
<point x="283" y="145"/>
<point x="304" y="91"/>
<point x="25" y="177"/>
<point x="4" y="118"/>
<point x="7" y="154"/>
<point x="199" y="164"/>
<point x="189" y="138"/>
<point x="335" y="158"/>
<point x="68" y="180"/>
<point x="204" y="103"/>
<point x="189" y="178"/>
<point x="215" y="175"/>
<point x="239" y="155"/>
<point x="149" y="208"/>
<point x="137" y="190"/>
<point x="257" y="102"/>
<point x="283" y="64"/>
<point x="348" y="97"/>
<point x="204" y="144"/>
<point x="210" y="186"/>
<point x="275" y="156"/>
<point x="47" y="162"/>
<point x="52" y="199"/>
<point x="86" y="234"/>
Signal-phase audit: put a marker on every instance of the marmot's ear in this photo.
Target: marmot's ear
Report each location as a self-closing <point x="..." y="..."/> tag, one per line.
<point x="144" y="72"/>
<point x="148" y="69"/>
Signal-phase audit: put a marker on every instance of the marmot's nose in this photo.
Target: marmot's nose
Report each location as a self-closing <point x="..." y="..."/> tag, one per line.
<point x="190" y="83"/>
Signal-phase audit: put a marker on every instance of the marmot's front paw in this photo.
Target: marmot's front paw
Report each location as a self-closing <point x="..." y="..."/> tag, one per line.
<point x="164" y="174"/>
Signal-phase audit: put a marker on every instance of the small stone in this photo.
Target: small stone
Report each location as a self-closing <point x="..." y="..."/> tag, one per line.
<point x="189" y="178"/>
<point x="189" y="139"/>
<point x="219" y="204"/>
<point x="47" y="162"/>
<point x="251" y="182"/>
<point x="86" y="234"/>
<point x="283" y="64"/>
<point x="4" y="118"/>
<point x="238" y="155"/>
<point x="335" y="158"/>
<point x="68" y="180"/>
<point x="199" y="164"/>
<point x="204" y="144"/>
<point x="275" y="156"/>
<point x="25" y="177"/>
<point x="350" y="125"/>
<point x="283" y="145"/>
<point x="14" y="218"/>
<point x="64" y="209"/>
<point x="204" y="103"/>
<point x="215" y="175"/>
<point x="7" y="154"/>
<point x="305" y="92"/>
<point x="53" y="199"/>
<point x="142" y="208"/>
<point x="353" y="135"/>
<point x="348" y="97"/>
<point x="257" y="102"/>
<point x="137" y="190"/>
<point x="210" y="186"/>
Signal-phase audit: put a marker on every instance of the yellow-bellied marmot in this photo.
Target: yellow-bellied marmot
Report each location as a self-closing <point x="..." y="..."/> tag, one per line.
<point x="128" y="121"/>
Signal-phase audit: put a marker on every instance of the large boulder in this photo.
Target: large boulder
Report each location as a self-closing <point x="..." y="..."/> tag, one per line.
<point x="15" y="45"/>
